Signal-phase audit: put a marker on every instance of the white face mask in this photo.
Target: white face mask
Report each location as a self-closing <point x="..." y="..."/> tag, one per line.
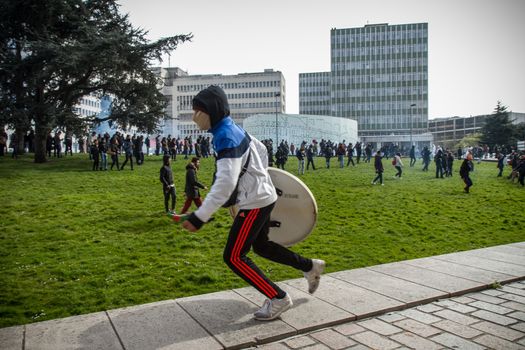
<point x="202" y="120"/>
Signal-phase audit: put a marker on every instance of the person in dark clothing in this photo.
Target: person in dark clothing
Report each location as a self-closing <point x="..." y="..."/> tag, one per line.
<point x="95" y="152"/>
<point x="464" y="171"/>
<point x="14" y="145"/>
<point x="114" y="151"/>
<point x="438" y="159"/>
<point x="378" y="165"/>
<point x="412" y="156"/>
<point x="310" y="157"/>
<point x="168" y="186"/>
<point x="358" y="151"/>
<point x="368" y="153"/>
<point x="350" y="153"/>
<point x="501" y="159"/>
<point x="192" y="185"/>
<point x="450" y="163"/>
<point x="328" y="153"/>
<point x="157" y="145"/>
<point x="280" y="157"/>
<point x="137" y="148"/>
<point x="147" y="144"/>
<point x="49" y="144"/>
<point x="58" y="144"/>
<point x="128" y="150"/>
<point x="425" y="154"/>
<point x="68" y="142"/>
<point x="520" y="168"/>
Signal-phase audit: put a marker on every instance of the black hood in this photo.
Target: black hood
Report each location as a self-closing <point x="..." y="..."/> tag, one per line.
<point x="214" y="102"/>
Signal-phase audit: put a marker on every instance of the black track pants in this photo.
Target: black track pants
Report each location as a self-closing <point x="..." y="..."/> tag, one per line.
<point x="251" y="228"/>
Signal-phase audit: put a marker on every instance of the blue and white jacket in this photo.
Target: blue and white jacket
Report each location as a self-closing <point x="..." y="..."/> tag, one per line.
<point x="232" y="145"/>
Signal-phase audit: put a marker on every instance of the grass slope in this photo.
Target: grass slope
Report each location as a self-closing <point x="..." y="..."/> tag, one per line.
<point x="74" y="241"/>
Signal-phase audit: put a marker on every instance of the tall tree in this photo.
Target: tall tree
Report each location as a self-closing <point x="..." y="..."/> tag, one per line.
<point x="54" y="52"/>
<point x="498" y="128"/>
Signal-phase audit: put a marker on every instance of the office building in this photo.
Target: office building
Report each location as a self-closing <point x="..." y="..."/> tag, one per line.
<point x="248" y="94"/>
<point x="314" y="92"/>
<point x="447" y="132"/>
<point x="379" y="77"/>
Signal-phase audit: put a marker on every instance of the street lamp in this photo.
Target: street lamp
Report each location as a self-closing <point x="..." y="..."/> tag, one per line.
<point x="411" y="120"/>
<point x="278" y="94"/>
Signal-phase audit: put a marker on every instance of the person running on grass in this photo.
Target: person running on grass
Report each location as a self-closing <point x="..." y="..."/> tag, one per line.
<point x="192" y="185"/>
<point x="236" y="149"/>
<point x="378" y="165"/>
<point x="464" y="172"/>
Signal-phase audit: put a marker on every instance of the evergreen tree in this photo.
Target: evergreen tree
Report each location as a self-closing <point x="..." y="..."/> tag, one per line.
<point x="498" y="128"/>
<point x="54" y="52"/>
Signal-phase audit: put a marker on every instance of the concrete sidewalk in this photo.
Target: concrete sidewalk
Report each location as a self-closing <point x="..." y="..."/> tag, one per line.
<point x="223" y="320"/>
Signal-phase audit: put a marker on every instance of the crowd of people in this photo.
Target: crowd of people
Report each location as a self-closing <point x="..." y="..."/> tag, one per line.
<point x="104" y="147"/>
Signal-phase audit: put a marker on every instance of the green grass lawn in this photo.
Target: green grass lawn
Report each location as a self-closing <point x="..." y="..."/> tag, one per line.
<point x="74" y="241"/>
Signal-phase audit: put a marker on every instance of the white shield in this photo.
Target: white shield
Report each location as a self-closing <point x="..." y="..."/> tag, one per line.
<point x="295" y="213"/>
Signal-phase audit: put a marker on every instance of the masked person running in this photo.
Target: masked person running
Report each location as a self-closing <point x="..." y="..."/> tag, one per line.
<point x="236" y="149"/>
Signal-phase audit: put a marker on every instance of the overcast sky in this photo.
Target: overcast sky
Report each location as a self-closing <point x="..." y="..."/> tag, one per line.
<point x="476" y="47"/>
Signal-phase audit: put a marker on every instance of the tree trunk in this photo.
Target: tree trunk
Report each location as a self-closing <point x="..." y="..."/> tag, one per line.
<point x="40" y="143"/>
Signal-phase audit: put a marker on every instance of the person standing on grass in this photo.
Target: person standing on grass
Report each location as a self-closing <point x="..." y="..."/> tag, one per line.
<point x="340" y="153"/>
<point x="350" y="153"/>
<point x="328" y="153"/>
<point x="450" y="163"/>
<point x="310" y="157"/>
<point x="68" y="143"/>
<point x="412" y="155"/>
<point x="168" y="186"/>
<point x="114" y="151"/>
<point x="368" y="153"/>
<point x="191" y="189"/>
<point x="95" y="153"/>
<point x="501" y="163"/>
<point x="236" y="149"/>
<point x="103" y="149"/>
<point x="464" y="172"/>
<point x="425" y="154"/>
<point x="398" y="164"/>
<point x="358" y="151"/>
<point x="378" y="165"/>
<point x="280" y="157"/>
<point x="300" y="159"/>
<point x="128" y="150"/>
<point x="438" y="159"/>
<point x="58" y="144"/>
<point x="520" y="169"/>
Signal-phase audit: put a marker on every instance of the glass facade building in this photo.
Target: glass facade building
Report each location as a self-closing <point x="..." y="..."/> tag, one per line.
<point x="296" y="128"/>
<point x="379" y="77"/>
<point x="314" y="92"/>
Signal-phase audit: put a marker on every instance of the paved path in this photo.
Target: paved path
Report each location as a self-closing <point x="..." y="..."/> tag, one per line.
<point x="440" y="302"/>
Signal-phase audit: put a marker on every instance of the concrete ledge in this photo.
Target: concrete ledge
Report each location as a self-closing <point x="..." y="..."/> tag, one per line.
<point x="224" y="320"/>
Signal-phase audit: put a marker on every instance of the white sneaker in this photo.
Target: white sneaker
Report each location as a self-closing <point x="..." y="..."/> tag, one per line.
<point x="273" y="308"/>
<point x="314" y="275"/>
